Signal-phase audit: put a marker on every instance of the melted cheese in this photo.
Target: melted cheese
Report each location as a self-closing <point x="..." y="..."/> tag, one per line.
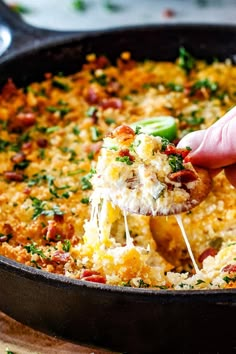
<point x="185" y="237"/>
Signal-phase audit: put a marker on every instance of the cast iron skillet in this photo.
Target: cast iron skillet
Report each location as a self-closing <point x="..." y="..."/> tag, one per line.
<point x="121" y="319"/>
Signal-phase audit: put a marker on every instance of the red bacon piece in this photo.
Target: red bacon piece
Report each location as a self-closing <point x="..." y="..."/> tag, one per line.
<point x="183" y="176"/>
<point x="208" y="252"/>
<point x="230" y="268"/>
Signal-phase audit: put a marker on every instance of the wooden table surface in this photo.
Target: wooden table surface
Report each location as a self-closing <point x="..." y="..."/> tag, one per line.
<point x="21" y="339"/>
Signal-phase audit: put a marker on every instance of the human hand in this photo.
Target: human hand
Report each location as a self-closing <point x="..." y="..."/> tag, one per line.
<point x="215" y="147"/>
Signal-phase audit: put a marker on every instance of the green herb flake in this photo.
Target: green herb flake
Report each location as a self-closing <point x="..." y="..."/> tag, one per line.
<point x="85" y="181"/>
<point x="31" y="248"/>
<point x="76" y="130"/>
<point x="125" y="159"/>
<point x="51" y="130"/>
<point x="9" y="351"/>
<point x="95" y="134"/>
<point x="85" y="200"/>
<point x="3" y="145"/>
<point x="175" y="87"/>
<point x="61" y="85"/>
<point x="19" y="8"/>
<point x="91" y="111"/>
<point x="66" y="245"/>
<point x="79" y="5"/>
<point x="205" y="83"/>
<point x="111" y="6"/>
<point x="109" y="121"/>
<point x="100" y="79"/>
<point x="186" y="61"/>
<point x="176" y="162"/>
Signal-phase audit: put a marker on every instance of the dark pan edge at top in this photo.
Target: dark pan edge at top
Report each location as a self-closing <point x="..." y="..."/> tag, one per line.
<point x="61" y="280"/>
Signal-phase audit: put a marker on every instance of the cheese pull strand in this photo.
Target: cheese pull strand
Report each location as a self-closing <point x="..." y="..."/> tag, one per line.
<point x="181" y="226"/>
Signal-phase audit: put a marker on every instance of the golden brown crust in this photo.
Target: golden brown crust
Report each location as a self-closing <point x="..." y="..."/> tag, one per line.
<point x="197" y="194"/>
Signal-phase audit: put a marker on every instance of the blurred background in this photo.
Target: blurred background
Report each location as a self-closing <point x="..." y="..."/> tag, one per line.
<point x="99" y="14"/>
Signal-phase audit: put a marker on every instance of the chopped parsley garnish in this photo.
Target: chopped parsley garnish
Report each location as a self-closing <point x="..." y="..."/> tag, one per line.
<point x="9" y="351"/>
<point x="66" y="245"/>
<point x="142" y="284"/>
<point x="100" y="79"/>
<point x="205" y="83"/>
<point x="91" y="111"/>
<point x="125" y="159"/>
<point x="85" y="181"/>
<point x="79" y="5"/>
<point x="229" y="279"/>
<point x="109" y="121"/>
<point x="176" y="162"/>
<point x="175" y="87"/>
<point x="200" y="281"/>
<point x="61" y="110"/>
<point x="165" y="142"/>
<point x="76" y="130"/>
<point x="111" y="6"/>
<point x="3" y="145"/>
<point x="21" y="165"/>
<point x="39" y="208"/>
<point x="19" y="9"/>
<point x="31" y="248"/>
<point x="70" y="151"/>
<point x="61" y="85"/>
<point x="85" y="200"/>
<point x="95" y="133"/>
<point x="186" y="60"/>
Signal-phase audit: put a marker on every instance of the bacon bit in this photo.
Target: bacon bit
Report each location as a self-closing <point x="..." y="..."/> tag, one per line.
<point x="13" y="176"/>
<point x="7" y="228"/>
<point x="125" y="62"/>
<point x="208" y="252"/>
<point x="112" y="102"/>
<point x="42" y="143"/>
<point x="96" y="279"/>
<point x="3" y="238"/>
<point x="230" y="268"/>
<point x="183" y="176"/>
<point x="27" y="191"/>
<point x="27" y="146"/>
<point x="94" y="147"/>
<point x="168" y="13"/>
<point x="9" y="89"/>
<point x="58" y="218"/>
<point x="51" y="230"/>
<point x="88" y="273"/>
<point x="24" y="120"/>
<point x="70" y="230"/>
<point x="126" y="152"/>
<point x="126" y="65"/>
<point x="48" y="76"/>
<point x="113" y="87"/>
<point x="187" y="89"/>
<point x="92" y="96"/>
<point x="172" y="150"/>
<point x="93" y="276"/>
<point x="19" y="157"/>
<point x="60" y="257"/>
<point x="96" y="63"/>
<point x="101" y="62"/>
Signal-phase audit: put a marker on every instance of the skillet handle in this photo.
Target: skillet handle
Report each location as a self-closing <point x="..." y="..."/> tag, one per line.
<point x="16" y="35"/>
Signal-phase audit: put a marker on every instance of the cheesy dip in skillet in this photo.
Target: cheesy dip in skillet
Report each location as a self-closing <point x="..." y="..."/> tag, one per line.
<point x="51" y="134"/>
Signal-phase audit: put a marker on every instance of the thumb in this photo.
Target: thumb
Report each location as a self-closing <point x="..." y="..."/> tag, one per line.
<point x="214" y="147"/>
